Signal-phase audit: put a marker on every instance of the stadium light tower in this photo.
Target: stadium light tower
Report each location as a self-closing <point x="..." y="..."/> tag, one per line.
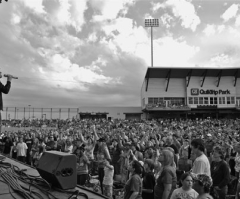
<point x="151" y="23"/>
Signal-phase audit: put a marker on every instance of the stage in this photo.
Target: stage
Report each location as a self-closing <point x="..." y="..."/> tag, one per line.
<point x="7" y="193"/>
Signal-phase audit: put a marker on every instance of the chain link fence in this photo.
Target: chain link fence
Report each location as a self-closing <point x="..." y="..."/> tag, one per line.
<point x="19" y="113"/>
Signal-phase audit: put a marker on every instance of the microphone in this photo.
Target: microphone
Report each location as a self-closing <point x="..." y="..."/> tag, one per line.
<point x="6" y="75"/>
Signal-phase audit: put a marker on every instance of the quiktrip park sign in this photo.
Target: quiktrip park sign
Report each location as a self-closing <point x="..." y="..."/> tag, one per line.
<point x="196" y="91"/>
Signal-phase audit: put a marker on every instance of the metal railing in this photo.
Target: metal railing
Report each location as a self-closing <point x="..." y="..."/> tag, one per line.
<point x="19" y="113"/>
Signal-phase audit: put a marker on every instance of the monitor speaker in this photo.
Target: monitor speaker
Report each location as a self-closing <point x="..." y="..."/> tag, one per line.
<point x="59" y="169"/>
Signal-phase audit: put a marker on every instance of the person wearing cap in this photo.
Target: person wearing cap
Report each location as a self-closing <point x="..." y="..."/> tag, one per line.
<point x="4" y="89"/>
<point x="201" y="164"/>
<point x="202" y="184"/>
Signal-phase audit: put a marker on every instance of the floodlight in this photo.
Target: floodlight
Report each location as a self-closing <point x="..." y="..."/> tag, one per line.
<point x="151" y="23"/>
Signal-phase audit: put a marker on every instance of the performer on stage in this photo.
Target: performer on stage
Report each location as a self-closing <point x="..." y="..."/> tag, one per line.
<point x="4" y="89"/>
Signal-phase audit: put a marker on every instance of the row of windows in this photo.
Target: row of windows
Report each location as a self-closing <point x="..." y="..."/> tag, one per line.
<point x="173" y="100"/>
<point x="211" y="100"/>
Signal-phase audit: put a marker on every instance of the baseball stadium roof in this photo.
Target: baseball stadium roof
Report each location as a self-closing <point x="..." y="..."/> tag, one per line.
<point x="180" y="72"/>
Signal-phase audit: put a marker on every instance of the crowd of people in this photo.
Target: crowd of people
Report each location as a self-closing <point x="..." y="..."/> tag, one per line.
<point x="157" y="159"/>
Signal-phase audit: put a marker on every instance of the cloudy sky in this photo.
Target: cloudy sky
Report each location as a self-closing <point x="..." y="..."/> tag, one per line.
<point x="72" y="53"/>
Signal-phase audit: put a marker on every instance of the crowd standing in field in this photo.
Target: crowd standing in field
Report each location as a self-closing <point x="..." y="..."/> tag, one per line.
<point x="157" y="159"/>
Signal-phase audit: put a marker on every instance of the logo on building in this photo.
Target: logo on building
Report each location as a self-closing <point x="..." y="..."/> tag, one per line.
<point x="194" y="91"/>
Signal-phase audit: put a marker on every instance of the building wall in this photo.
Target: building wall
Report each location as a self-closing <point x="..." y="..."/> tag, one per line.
<point x="157" y="86"/>
<point x="209" y="89"/>
<point x="238" y="88"/>
<point x="177" y="88"/>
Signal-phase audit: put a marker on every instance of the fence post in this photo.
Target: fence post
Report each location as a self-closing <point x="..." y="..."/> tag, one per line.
<point x="59" y="113"/>
<point x="6" y="112"/>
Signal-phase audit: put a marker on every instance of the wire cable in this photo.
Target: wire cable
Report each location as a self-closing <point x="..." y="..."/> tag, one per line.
<point x="29" y="186"/>
<point x="23" y="184"/>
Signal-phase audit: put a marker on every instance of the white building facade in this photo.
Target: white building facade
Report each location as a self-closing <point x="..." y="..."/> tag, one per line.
<point x="191" y="92"/>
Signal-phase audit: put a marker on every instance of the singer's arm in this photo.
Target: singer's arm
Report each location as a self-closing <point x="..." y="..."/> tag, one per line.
<point x="5" y="89"/>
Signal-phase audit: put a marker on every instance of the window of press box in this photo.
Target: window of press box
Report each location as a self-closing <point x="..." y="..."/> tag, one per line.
<point x="205" y="100"/>
<point x="190" y="100"/>
<point x="173" y="100"/>
<point x="232" y="100"/>
<point x="150" y="100"/>
<point x="228" y="100"/>
<point x="211" y="100"/>
<point x="215" y="100"/>
<point x="195" y="100"/>
<point x="222" y="100"/>
<point x="200" y="100"/>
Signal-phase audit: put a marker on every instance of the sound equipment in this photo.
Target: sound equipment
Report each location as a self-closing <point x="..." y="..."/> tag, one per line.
<point x="59" y="169"/>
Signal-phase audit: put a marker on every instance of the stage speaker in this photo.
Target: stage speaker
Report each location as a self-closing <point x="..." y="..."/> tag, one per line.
<point x="59" y="169"/>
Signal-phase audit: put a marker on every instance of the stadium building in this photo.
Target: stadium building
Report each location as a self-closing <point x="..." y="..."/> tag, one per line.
<point x="191" y="93"/>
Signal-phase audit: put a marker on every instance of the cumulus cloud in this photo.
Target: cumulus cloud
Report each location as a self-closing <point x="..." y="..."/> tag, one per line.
<point x="212" y="29"/>
<point x="156" y="6"/>
<point x="230" y="13"/>
<point x="181" y="9"/>
<point x="60" y="67"/>
<point x="97" y="51"/>
<point x="170" y="52"/>
<point x="237" y="22"/>
<point x="221" y="60"/>
<point x="166" y="20"/>
<point x="36" y="5"/>
<point x="109" y="9"/>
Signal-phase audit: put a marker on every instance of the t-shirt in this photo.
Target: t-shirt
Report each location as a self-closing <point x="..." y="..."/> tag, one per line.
<point x="89" y="151"/>
<point x="116" y="154"/>
<point x="21" y="149"/>
<point x="148" y="183"/>
<point x="134" y="184"/>
<point x="182" y="194"/>
<point x="7" y="148"/>
<point x="82" y="166"/>
<point x="168" y="176"/>
<point x="201" y="165"/>
<point x="108" y="175"/>
<point x="29" y="143"/>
